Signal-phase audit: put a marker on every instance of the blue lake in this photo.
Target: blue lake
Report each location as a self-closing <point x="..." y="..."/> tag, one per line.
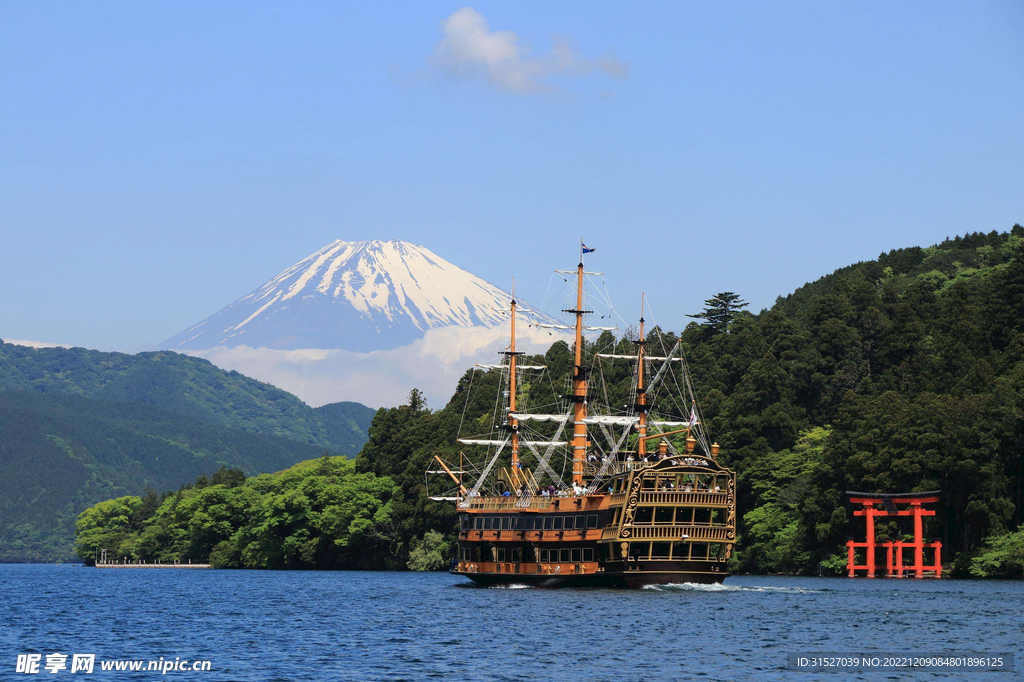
<point x="263" y="625"/>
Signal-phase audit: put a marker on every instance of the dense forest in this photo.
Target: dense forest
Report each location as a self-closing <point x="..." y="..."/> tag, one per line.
<point x="60" y="453"/>
<point x="79" y="426"/>
<point x="904" y="373"/>
<point x="318" y="513"/>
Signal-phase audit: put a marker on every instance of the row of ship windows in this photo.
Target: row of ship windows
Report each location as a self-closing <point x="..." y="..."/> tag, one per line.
<point x="547" y="556"/>
<point x="505" y="522"/>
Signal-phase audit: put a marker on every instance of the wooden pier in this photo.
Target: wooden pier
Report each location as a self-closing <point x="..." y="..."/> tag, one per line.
<point x="139" y="565"/>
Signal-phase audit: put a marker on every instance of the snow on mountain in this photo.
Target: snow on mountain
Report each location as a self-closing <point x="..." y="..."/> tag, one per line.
<point x="355" y="296"/>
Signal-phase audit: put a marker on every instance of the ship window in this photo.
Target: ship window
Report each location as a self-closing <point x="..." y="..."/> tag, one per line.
<point x="519" y="523"/>
<point x="467" y="554"/>
<point x="644" y="515"/>
<point x="558" y="523"/>
<point x="699" y="550"/>
<point x="487" y="523"/>
<point x="542" y="556"/>
<point x="506" y="523"/>
<point x="577" y="555"/>
<point x="659" y="550"/>
<point x="592" y="521"/>
<point x="464" y="521"/>
<point x="588" y="554"/>
<point x="581" y="522"/>
<point x="517" y="554"/>
<point x="479" y="523"/>
<point x="663" y="515"/>
<point x="547" y="522"/>
<point x="679" y="550"/>
<point x="500" y="554"/>
<point x="702" y="516"/>
<point x="563" y="556"/>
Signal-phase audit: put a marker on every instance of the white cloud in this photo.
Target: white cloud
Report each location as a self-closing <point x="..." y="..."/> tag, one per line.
<point x="468" y="48"/>
<point x="36" y="344"/>
<point x="432" y="364"/>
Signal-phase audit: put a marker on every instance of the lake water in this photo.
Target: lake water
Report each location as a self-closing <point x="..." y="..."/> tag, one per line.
<point x="264" y="625"/>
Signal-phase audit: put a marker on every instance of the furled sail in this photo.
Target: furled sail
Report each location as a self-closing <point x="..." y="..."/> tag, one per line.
<point x="615" y="420"/>
<point x="607" y="420"/>
<point x="569" y="327"/>
<point x="487" y="441"/>
<point x="633" y="357"/>
<point x="526" y="417"/>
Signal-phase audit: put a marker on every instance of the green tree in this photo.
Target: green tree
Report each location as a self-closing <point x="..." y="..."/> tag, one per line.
<point x="430" y="553"/>
<point x="1003" y="558"/>
<point x="720" y="311"/>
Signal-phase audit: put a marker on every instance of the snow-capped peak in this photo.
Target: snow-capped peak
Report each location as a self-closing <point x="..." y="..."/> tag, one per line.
<point x="366" y="295"/>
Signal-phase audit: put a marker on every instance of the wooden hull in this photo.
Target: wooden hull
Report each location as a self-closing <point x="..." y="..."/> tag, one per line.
<point x="629" y="579"/>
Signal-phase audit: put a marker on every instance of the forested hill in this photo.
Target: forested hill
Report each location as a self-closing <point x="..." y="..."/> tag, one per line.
<point x="901" y="374"/>
<point x="78" y="426"/>
<point x="189" y="386"/>
<point x="61" y="453"/>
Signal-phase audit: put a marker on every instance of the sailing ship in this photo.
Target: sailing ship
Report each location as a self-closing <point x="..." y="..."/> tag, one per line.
<point x="647" y="501"/>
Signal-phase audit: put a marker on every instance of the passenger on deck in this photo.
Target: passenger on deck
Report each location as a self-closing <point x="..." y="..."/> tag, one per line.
<point x="506" y="494"/>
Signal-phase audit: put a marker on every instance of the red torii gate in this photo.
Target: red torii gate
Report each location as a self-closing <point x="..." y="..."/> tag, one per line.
<point x="914" y="506"/>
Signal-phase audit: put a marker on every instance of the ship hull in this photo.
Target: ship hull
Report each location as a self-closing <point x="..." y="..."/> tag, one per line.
<point x="630" y="580"/>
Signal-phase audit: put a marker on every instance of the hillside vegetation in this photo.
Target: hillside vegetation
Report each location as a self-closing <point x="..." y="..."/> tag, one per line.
<point x="189" y="386"/>
<point x="59" y="454"/>
<point x="905" y="373"/>
<point x="316" y="514"/>
<point x="79" y="426"/>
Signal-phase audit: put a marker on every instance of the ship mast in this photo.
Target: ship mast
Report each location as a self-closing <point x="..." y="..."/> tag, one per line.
<point x="641" y="447"/>
<point x="512" y="421"/>
<point x="579" y="384"/>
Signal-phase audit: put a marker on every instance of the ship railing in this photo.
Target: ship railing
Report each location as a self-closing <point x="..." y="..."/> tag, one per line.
<point x="702" y="499"/>
<point x="671" y="532"/>
<point x="540" y="502"/>
<point x="612" y="468"/>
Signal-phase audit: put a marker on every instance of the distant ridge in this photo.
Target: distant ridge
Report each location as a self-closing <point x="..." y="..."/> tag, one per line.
<point x="188" y="386"/>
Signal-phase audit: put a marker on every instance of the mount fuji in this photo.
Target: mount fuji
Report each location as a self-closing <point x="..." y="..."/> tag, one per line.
<point x="356" y="296"/>
<point x="363" y="321"/>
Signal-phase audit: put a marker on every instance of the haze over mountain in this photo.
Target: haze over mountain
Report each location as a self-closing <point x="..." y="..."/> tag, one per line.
<point x="364" y="321"/>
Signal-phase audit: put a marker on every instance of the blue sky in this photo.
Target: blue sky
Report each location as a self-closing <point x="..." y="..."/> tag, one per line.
<point x="158" y="160"/>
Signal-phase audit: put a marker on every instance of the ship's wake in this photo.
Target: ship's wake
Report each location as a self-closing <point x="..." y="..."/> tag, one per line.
<point x="719" y="587"/>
